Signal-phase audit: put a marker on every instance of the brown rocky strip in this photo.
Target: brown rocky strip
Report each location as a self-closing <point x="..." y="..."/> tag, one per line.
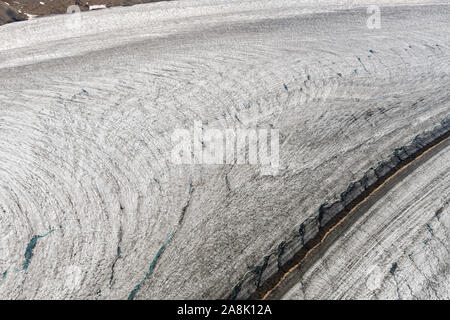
<point x="267" y="277"/>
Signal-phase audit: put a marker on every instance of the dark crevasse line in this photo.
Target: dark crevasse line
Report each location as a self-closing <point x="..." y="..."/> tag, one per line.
<point x="118" y="256"/>
<point x="253" y="281"/>
<point x="28" y="253"/>
<point x="152" y="266"/>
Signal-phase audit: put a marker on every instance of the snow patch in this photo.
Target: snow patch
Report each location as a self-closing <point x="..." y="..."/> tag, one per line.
<point x="97" y="7"/>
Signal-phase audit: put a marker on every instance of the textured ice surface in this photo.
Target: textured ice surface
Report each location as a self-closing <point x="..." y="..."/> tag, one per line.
<point x="86" y="117"/>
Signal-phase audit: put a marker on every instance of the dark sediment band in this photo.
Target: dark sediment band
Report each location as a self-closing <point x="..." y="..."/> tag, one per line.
<point x="257" y="282"/>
